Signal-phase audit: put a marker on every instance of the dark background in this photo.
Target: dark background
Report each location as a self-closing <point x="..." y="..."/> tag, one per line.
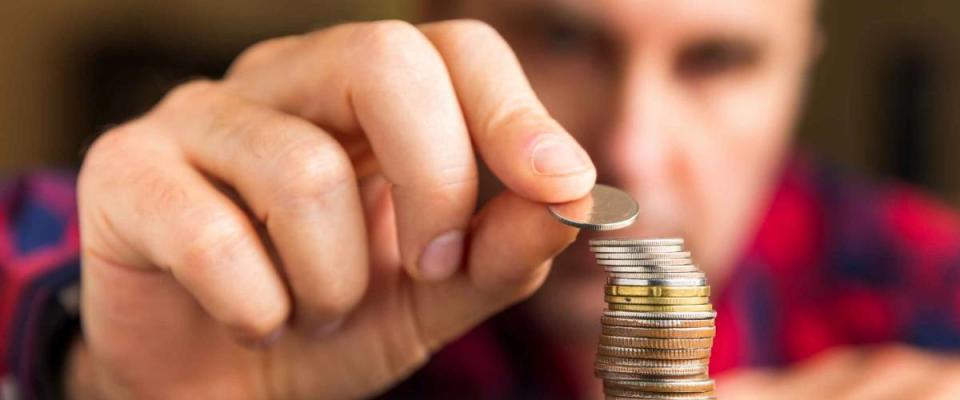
<point x="885" y="99"/>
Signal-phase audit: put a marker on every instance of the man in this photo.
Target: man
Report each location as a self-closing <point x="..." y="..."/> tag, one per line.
<point x="307" y="227"/>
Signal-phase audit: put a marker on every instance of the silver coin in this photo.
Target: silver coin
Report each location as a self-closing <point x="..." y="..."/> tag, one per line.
<point x="626" y="372"/>
<point x="612" y="322"/>
<point x="652" y="268"/>
<point x="661" y="315"/>
<point x="647" y="263"/>
<point x="656" y="282"/>
<point x="629" y="255"/>
<point x="636" y="242"/>
<point x="686" y="261"/>
<point x="605" y="208"/>
<point x="636" y="249"/>
<point x="642" y="362"/>
<point x="663" y="275"/>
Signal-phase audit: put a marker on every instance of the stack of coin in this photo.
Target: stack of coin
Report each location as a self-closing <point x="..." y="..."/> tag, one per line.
<point x="658" y="327"/>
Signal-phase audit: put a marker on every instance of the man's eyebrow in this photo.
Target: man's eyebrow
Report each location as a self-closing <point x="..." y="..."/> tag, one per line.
<point x="561" y="11"/>
<point x="552" y="12"/>
<point x="734" y="40"/>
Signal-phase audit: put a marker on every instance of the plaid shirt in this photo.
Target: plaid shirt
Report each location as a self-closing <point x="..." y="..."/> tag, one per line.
<point x="836" y="261"/>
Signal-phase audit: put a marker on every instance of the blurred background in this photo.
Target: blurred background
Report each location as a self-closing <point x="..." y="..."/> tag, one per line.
<point x="885" y="98"/>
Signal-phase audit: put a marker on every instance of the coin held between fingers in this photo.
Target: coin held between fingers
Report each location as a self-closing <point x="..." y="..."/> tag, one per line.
<point x="605" y="208"/>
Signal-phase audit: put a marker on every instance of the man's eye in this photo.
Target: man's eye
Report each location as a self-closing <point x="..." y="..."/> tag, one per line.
<point x="717" y="57"/>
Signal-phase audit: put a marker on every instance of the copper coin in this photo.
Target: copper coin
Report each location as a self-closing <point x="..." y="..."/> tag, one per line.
<point x="675" y="333"/>
<point x="653" y="354"/>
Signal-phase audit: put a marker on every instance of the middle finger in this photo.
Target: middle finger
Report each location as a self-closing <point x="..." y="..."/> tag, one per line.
<point x="296" y="180"/>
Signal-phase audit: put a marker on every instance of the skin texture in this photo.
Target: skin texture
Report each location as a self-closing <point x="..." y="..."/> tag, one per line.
<point x="306" y="227"/>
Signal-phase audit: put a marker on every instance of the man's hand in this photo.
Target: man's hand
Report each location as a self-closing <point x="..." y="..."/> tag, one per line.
<point x="327" y="185"/>
<point x="883" y="373"/>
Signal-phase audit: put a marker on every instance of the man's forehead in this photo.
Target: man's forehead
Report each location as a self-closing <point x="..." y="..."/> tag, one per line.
<point x="633" y="17"/>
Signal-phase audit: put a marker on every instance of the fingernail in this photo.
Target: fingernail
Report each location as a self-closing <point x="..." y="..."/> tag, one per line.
<point x="557" y="156"/>
<point x="442" y="256"/>
<point x="327" y="328"/>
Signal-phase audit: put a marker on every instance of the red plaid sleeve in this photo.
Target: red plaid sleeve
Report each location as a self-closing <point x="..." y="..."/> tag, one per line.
<point x="39" y="273"/>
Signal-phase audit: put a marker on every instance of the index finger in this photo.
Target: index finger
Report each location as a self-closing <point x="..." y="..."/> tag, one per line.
<point x="518" y="139"/>
<point x="384" y="86"/>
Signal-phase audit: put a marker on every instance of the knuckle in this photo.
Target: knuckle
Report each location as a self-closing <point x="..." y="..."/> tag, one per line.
<point x="397" y="47"/>
<point x="214" y="240"/>
<point x="262" y="53"/>
<point x="471" y="30"/>
<point x="261" y="134"/>
<point x="210" y="238"/>
<point x="109" y="146"/>
<point x="256" y="321"/>
<point x="336" y="298"/>
<point x="390" y="32"/>
<point x="447" y="184"/>
<point x="115" y="159"/>
<point x="514" y="111"/>
<point x="455" y="179"/>
<point x="160" y="196"/>
<point x="187" y="95"/>
<point x="309" y="169"/>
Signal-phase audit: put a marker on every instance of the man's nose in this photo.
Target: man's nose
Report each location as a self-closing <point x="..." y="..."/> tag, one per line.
<point x="637" y="149"/>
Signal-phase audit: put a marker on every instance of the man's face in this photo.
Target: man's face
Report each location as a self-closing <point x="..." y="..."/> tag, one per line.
<point x="686" y="104"/>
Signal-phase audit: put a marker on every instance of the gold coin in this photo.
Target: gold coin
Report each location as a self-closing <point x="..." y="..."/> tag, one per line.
<point x="658" y="291"/>
<point x="656" y="300"/>
<point x="660" y="308"/>
<point x="675" y="333"/>
<point x="619" y="376"/>
<point x="655" y="343"/>
<point x="653" y="354"/>
<point x="662" y="385"/>
<point x="650" y="269"/>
